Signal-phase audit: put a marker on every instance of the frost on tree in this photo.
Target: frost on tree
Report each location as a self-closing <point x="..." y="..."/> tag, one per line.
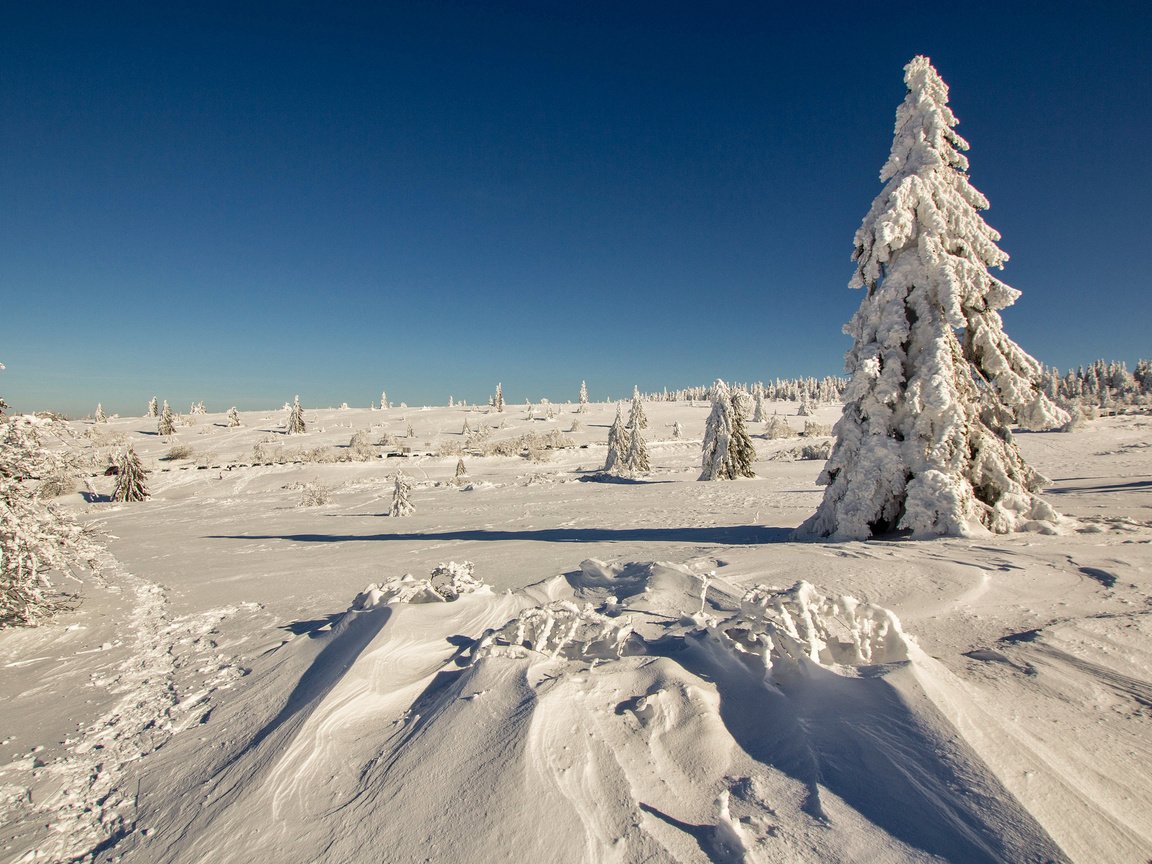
<point x="637" y="419"/>
<point x="401" y="500"/>
<point x="99" y="416"/>
<point x="728" y="452"/>
<point x="233" y="417"/>
<point x="166" y="425"/>
<point x="35" y="537"/>
<point x="498" y="399"/>
<point x="384" y="400"/>
<point x="619" y="442"/>
<point x="153" y="411"/>
<point x="583" y="409"/>
<point x="924" y="443"/>
<point x="636" y="456"/>
<point x="295" y="418"/>
<point x="131" y="478"/>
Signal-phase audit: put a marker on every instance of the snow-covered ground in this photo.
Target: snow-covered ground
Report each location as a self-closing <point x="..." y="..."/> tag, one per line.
<point x="645" y="670"/>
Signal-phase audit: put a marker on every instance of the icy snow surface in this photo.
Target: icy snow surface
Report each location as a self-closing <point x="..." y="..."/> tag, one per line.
<point x="574" y="671"/>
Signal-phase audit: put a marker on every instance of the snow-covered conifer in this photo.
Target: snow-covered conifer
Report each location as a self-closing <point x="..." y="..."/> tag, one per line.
<point x="131" y="478"/>
<point x="467" y="429"/>
<point x="924" y="441"/>
<point x="401" y="503"/>
<point x="728" y="452"/>
<point x="153" y="411"/>
<point x="677" y="431"/>
<point x="758" y="415"/>
<point x="743" y="402"/>
<point x="498" y="399"/>
<point x="384" y="400"/>
<point x="583" y="408"/>
<point x="98" y="415"/>
<point x="637" y="419"/>
<point x="35" y="537"/>
<point x="233" y="417"/>
<point x="619" y="440"/>
<point x="166" y="425"/>
<point x="295" y="422"/>
<point x="461" y="471"/>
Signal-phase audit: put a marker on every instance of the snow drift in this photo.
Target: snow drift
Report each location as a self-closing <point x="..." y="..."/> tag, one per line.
<point x="619" y="713"/>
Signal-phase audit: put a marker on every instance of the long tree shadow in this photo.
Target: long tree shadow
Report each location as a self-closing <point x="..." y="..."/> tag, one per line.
<point x="1107" y="487"/>
<point x="732" y="535"/>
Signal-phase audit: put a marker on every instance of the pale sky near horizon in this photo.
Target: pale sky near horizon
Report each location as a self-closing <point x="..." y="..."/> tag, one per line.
<point x="239" y="202"/>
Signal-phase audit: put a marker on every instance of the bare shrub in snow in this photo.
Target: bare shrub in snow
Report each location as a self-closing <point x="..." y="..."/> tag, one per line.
<point x="813" y="429"/>
<point x="56" y="484"/>
<point x="778" y="427"/>
<point x="787" y="627"/>
<point x="449" y="447"/>
<point x="561" y="629"/>
<point x="177" y="452"/>
<point x="820" y="451"/>
<point x="924" y="443"/>
<point x="266" y="452"/>
<point x="314" y="495"/>
<point x="360" y="447"/>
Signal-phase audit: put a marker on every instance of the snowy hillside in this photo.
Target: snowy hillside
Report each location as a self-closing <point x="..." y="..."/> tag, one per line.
<point x="271" y="668"/>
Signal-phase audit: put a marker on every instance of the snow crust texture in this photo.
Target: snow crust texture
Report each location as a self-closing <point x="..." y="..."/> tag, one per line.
<point x="611" y="705"/>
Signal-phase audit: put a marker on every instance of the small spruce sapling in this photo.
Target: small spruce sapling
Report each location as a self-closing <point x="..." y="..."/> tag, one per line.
<point x="619" y="440"/>
<point x="131" y="478"/>
<point x="583" y="407"/>
<point x="233" y="417"/>
<point x="166" y="425"/>
<point x="99" y="416"/>
<point x="401" y="492"/>
<point x="153" y="411"/>
<point x="637" y="419"/>
<point x="295" y="420"/>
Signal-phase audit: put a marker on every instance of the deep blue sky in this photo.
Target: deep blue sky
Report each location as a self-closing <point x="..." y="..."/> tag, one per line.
<point x="239" y="202"/>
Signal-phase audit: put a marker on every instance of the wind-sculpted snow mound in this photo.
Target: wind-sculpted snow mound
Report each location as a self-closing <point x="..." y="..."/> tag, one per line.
<point x="447" y="583"/>
<point x="799" y="623"/>
<point x="621" y="713"/>
<point x="562" y="629"/>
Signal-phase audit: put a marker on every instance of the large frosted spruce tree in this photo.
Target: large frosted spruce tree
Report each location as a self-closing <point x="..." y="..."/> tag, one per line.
<point x="924" y="443"/>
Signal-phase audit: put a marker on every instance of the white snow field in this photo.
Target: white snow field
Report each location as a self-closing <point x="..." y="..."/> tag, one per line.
<point x="625" y="670"/>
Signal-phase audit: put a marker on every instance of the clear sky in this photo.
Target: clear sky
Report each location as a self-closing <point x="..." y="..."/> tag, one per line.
<point x="239" y="202"/>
